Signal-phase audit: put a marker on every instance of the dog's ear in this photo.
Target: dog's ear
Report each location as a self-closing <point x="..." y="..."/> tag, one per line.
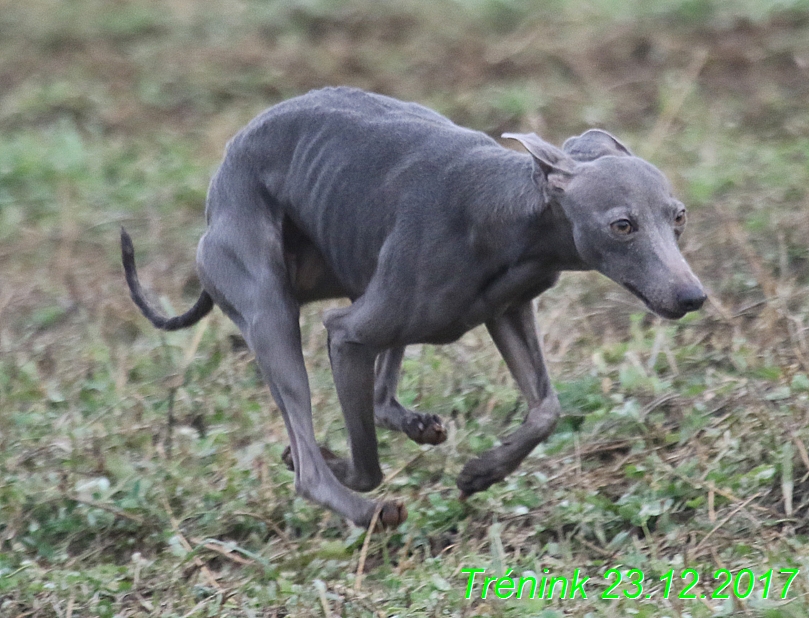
<point x="593" y="144"/>
<point x="553" y="164"/>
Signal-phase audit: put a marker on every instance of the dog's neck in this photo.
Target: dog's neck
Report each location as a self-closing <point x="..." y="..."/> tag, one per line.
<point x="514" y="219"/>
<point x="556" y="243"/>
<point x="547" y="235"/>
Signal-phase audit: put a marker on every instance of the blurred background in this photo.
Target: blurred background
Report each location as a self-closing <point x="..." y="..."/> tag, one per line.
<point x="140" y="472"/>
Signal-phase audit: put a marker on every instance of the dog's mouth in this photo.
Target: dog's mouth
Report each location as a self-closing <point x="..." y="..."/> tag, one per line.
<point x="663" y="313"/>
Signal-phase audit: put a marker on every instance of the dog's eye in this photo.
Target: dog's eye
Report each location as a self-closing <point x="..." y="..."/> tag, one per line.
<point x="622" y="227"/>
<point x="680" y="219"/>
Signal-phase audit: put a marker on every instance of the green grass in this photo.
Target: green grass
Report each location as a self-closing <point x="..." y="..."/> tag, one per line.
<point x="140" y="472"/>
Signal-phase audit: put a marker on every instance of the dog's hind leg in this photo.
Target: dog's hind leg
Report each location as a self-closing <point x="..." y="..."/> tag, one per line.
<point x="389" y="413"/>
<point x="515" y="335"/>
<point x="241" y="265"/>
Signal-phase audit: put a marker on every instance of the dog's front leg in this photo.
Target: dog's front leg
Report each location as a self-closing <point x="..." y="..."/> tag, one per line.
<point x="389" y="413"/>
<point x="515" y="335"/>
<point x="352" y="364"/>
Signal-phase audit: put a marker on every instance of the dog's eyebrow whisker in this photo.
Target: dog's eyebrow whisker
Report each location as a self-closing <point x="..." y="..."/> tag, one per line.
<point x="429" y="229"/>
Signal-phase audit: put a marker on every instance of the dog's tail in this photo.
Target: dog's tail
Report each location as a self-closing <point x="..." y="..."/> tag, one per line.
<point x="200" y="309"/>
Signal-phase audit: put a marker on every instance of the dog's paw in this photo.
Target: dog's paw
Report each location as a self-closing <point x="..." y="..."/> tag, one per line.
<point x="286" y="458"/>
<point x="331" y="459"/>
<point x="479" y="474"/>
<point x="425" y="429"/>
<point x="392" y="514"/>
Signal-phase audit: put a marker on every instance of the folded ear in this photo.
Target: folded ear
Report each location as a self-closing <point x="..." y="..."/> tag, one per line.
<point x="593" y="144"/>
<point x="554" y="165"/>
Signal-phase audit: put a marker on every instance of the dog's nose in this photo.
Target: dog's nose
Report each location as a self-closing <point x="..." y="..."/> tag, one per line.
<point x="691" y="298"/>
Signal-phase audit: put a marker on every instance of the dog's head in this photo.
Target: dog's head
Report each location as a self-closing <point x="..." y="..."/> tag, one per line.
<point x="625" y="221"/>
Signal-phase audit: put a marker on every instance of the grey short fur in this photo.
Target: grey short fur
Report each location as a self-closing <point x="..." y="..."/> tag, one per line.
<point x="430" y="229"/>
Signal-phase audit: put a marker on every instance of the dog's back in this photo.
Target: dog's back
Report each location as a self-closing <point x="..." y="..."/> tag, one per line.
<point x="345" y="166"/>
<point x="340" y="145"/>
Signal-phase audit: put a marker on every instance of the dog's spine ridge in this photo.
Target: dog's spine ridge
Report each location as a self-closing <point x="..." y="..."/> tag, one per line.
<point x="200" y="309"/>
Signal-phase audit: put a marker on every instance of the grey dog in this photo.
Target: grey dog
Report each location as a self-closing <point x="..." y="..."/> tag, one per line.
<point x="430" y="229"/>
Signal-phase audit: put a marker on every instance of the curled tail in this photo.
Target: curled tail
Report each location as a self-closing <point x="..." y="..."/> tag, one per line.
<point x="200" y="309"/>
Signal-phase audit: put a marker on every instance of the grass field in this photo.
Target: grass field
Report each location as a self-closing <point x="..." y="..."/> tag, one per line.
<point x="140" y="472"/>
